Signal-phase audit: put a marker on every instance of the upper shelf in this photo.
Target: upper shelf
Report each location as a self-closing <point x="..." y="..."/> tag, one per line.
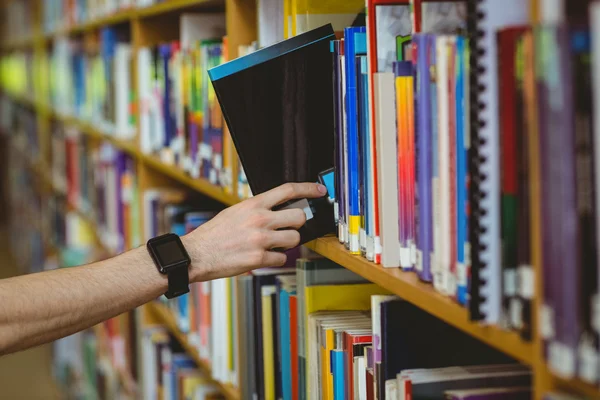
<point x="135" y="13"/>
<point x="200" y="185"/>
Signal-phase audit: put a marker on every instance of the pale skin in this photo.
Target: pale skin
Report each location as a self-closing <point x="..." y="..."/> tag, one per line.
<point x="42" y="307"/>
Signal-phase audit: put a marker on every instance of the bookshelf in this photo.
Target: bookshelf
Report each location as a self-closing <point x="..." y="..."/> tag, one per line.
<point x="147" y="26"/>
<point x="409" y="287"/>
<point x="161" y="314"/>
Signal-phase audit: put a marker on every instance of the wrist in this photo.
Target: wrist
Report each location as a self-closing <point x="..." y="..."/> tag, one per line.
<point x="195" y="248"/>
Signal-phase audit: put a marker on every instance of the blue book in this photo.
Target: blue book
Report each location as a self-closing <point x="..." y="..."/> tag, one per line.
<point x="367" y="225"/>
<point x="178" y="362"/>
<point x="169" y="118"/>
<point x="461" y="171"/>
<point x="285" y="342"/>
<point x="339" y="377"/>
<point x="350" y="40"/>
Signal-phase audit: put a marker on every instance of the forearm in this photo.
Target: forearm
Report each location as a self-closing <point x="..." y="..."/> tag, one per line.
<point x="39" y="308"/>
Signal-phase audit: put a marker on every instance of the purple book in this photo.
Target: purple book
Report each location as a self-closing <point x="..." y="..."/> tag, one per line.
<point x="423" y="156"/>
<point x="559" y="213"/>
<point x="338" y="122"/>
<point x="193" y="125"/>
<point x="120" y="165"/>
<point x="517" y="393"/>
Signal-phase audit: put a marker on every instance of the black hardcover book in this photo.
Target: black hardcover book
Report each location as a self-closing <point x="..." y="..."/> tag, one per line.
<point x="278" y="103"/>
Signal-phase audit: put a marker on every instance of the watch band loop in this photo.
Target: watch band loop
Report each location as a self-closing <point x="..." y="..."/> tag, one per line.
<point x="179" y="282"/>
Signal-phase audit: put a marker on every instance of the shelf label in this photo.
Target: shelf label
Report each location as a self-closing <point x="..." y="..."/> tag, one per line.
<point x="510" y="283"/>
<point x="526" y="281"/>
<point x="547" y="330"/>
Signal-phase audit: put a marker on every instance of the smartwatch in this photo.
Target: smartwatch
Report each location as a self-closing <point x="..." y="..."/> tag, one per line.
<point x="171" y="259"/>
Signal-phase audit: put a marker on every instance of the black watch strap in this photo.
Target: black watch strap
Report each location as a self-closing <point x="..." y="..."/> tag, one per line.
<point x="179" y="282"/>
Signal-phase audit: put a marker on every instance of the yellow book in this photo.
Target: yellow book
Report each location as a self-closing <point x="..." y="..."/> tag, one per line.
<point x="190" y="383"/>
<point x="340" y="14"/>
<point x="341" y="297"/>
<point x="293" y="16"/>
<point x="286" y="19"/>
<point x="268" y="342"/>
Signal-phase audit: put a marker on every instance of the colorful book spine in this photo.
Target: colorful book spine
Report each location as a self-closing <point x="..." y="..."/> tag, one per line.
<point x="352" y="136"/>
<point x="405" y="139"/>
<point x="424" y="159"/>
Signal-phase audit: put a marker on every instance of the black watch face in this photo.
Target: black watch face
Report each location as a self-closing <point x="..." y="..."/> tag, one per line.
<point x="169" y="252"/>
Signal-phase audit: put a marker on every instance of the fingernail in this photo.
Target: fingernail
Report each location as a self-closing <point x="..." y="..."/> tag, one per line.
<point x="322" y="189"/>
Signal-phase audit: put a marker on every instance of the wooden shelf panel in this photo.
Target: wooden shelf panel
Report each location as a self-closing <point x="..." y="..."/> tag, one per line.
<point x="19" y="43"/>
<point x="408" y="286"/>
<point x="171" y="6"/>
<point x="129" y="15"/>
<point x="199" y="184"/>
<point x="576" y="386"/>
<point x="163" y="314"/>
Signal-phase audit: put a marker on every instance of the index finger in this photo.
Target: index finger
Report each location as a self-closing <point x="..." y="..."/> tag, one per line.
<point x="291" y="191"/>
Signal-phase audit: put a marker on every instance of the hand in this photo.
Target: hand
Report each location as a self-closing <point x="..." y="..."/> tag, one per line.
<point x="241" y="237"/>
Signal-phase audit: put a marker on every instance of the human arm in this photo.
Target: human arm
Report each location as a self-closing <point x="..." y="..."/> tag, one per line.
<point x="42" y="307"/>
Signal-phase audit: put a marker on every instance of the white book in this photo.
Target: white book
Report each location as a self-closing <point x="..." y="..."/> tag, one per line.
<point x="595" y="47"/>
<point x="144" y="62"/>
<point x="442" y="220"/>
<point x="270" y="22"/>
<point x="196" y="27"/>
<point x="360" y="378"/>
<point x="122" y="71"/>
<point x="387" y="160"/>
<point x="494" y="15"/>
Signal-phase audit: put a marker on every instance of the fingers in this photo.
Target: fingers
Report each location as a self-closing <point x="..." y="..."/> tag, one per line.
<point x="293" y="218"/>
<point x="290" y="191"/>
<point x="286" y="239"/>
<point x="274" y="259"/>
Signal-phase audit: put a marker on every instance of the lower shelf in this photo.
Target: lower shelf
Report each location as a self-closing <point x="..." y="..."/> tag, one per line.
<point x="163" y="314"/>
<point x="407" y="286"/>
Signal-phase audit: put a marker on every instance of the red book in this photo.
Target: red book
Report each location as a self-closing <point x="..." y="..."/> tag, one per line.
<point x="507" y="40"/>
<point x="294" y="345"/>
<point x="352" y="342"/>
<point x="370" y="385"/>
<point x="452" y="161"/>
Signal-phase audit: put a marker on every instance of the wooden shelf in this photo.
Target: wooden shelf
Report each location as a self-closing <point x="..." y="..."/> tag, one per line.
<point x="199" y="184"/>
<point x="128" y="15"/>
<point x="408" y="286"/>
<point x="163" y="314"/>
<point x="19" y="43"/>
<point x="576" y="386"/>
<point x="171" y="6"/>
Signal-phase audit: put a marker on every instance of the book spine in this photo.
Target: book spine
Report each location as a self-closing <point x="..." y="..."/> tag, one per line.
<point x="352" y="138"/>
<point x="423" y="157"/>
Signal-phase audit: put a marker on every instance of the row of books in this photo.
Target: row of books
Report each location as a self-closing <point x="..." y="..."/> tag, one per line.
<point x="445" y="148"/>
<point x="82" y="372"/>
<point x="23" y="186"/>
<point x="92" y="81"/>
<point x="98" y="181"/>
<point x="168" y="372"/>
<point x="180" y="118"/>
<point x="63" y="14"/>
<point x="319" y="331"/>
<point x="17" y="20"/>
<point x="25" y="204"/>
<point x="206" y="314"/>
<point x="16" y="73"/>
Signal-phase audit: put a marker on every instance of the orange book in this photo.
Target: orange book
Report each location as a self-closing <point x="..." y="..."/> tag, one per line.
<point x="205" y="322"/>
